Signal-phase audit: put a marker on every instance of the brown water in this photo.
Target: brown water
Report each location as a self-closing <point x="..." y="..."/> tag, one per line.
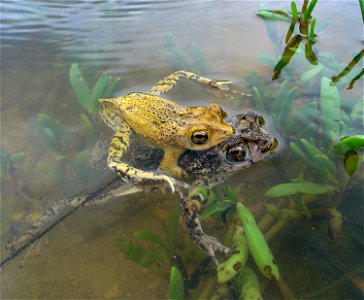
<point x="39" y="42"/>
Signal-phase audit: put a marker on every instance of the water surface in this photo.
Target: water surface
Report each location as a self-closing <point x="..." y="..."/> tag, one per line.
<point x="39" y="42"/>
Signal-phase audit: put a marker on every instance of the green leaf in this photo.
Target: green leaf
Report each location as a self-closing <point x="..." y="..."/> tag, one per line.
<point x="311" y="73"/>
<point x="198" y="58"/>
<point x="294" y="11"/>
<point x="290" y="31"/>
<point x="292" y="188"/>
<point x="176" y="286"/>
<point x="112" y="87"/>
<point x="309" y="10"/>
<point x="81" y="88"/>
<point x="98" y="91"/>
<point x="297" y="150"/>
<point x="49" y="138"/>
<point x="272" y="31"/>
<point x="311" y="34"/>
<point x="357" y="113"/>
<point x="17" y="158"/>
<point x="138" y="254"/>
<point x="174" y="54"/>
<point x="310" y="54"/>
<point x="258" y="100"/>
<point x="278" y="99"/>
<point x="330" y="109"/>
<point x="55" y="131"/>
<point x="231" y="194"/>
<point x="311" y="149"/>
<point x="354" y="142"/>
<point x="287" y="105"/>
<point x="351" y="162"/>
<point x="270" y="15"/>
<point x="361" y="3"/>
<point x="323" y="161"/>
<point x="213" y="209"/>
<point x="149" y="236"/>
<point x="45" y="121"/>
<point x="288" y="53"/>
<point x="266" y="59"/>
<point x="89" y="131"/>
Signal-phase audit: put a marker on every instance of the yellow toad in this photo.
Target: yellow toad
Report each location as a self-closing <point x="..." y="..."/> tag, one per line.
<point x="165" y="124"/>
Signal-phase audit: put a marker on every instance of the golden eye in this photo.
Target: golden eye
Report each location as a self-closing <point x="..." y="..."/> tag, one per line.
<point x="199" y="137"/>
<point x="236" y="153"/>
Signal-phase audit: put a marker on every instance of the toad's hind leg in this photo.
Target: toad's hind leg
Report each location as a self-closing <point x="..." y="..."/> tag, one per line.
<point x="171" y="80"/>
<point x="118" y="146"/>
<point x="206" y="242"/>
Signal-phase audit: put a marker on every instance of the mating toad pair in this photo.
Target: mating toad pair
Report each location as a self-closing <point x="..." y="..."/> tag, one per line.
<point x="175" y="129"/>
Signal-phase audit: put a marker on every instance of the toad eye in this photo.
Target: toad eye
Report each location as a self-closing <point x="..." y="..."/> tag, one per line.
<point x="199" y="137"/>
<point x="236" y="153"/>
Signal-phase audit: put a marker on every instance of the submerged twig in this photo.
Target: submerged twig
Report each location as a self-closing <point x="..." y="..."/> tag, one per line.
<point x="63" y="209"/>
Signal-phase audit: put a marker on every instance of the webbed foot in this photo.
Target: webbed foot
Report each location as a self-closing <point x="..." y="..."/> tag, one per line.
<point x="166" y="183"/>
<point x="221" y="85"/>
<point x="213" y="246"/>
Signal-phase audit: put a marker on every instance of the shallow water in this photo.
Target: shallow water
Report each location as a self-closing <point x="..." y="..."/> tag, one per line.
<point x="39" y="42"/>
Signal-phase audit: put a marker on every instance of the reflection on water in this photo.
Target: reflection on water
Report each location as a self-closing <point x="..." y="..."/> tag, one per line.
<point x="142" y="41"/>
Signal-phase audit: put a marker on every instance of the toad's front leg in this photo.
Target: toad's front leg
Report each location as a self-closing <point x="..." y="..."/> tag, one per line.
<point x="118" y="146"/>
<point x="206" y="242"/>
<point x="169" y="162"/>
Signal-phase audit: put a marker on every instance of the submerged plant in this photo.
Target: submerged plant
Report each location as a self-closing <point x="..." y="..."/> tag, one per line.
<point x="158" y="254"/>
<point x="306" y="32"/>
<point x="88" y="98"/>
<point x="348" y="68"/>
<point x="70" y="169"/>
<point x="8" y="161"/>
<point x="178" y="59"/>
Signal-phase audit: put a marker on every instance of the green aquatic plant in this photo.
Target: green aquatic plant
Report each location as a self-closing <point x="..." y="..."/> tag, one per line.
<point x="257" y="244"/>
<point x="249" y="284"/>
<point x="157" y="255"/>
<point x="348" y="68"/>
<point x="178" y="59"/>
<point x="53" y="133"/>
<point x="7" y="161"/>
<point x="69" y="168"/>
<point x="105" y="86"/>
<point x="219" y="202"/>
<point x="303" y="18"/>
<point x="176" y="285"/>
<point x="306" y="32"/>
<point x="322" y="132"/>
<point x="236" y="262"/>
<point x="323" y="63"/>
<point x="350" y="149"/>
<point x="361" y="3"/>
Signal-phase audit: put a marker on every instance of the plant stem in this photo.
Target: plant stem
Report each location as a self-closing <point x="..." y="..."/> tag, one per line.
<point x="361" y="3"/>
<point x="309" y="10"/>
<point x="208" y="286"/>
<point x="276" y="228"/>
<point x="294" y="11"/>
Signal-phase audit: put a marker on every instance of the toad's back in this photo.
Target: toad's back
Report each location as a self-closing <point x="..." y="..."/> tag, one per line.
<point x="151" y="116"/>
